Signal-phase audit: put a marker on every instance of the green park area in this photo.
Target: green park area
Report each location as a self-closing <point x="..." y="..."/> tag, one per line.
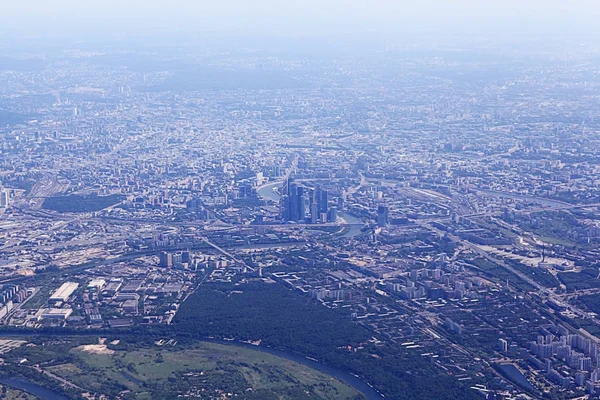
<point x="81" y="204"/>
<point x="166" y="370"/>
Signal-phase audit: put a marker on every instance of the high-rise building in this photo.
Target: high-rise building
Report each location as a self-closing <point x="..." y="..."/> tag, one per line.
<point x="287" y="186"/>
<point x="284" y="205"/>
<point x="293" y="202"/>
<point x="4" y="198"/>
<point x="314" y="213"/>
<point x="299" y="204"/>
<point x="332" y="214"/>
<point x="165" y="260"/>
<point x="340" y="203"/>
<point x="585" y="364"/>
<point x="502" y="345"/>
<point x="176" y="259"/>
<point x="383" y="216"/>
<point x="322" y="200"/>
<point x="323" y="217"/>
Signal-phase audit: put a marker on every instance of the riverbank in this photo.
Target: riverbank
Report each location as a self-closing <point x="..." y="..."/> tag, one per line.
<point x="298" y="367"/>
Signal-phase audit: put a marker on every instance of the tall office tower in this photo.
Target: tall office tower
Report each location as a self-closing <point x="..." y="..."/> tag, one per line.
<point x="286" y="187"/>
<point x="166" y="260"/>
<point x="383" y="218"/>
<point x="322" y="200"/>
<point x="292" y="201"/>
<point x="318" y="197"/>
<point x="340" y="203"/>
<point x="311" y="196"/>
<point x="301" y="203"/>
<point x="314" y="213"/>
<point x="312" y="206"/>
<point x="4" y="198"/>
<point x="284" y="206"/>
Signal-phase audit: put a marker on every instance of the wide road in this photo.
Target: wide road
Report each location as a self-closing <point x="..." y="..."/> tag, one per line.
<point x="492" y="258"/>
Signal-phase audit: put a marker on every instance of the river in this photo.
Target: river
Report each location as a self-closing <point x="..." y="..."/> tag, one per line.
<point x="268" y="192"/>
<point x="32" y="388"/>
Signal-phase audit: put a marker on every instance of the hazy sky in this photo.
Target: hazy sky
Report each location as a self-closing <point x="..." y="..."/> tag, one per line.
<point x="306" y="15"/>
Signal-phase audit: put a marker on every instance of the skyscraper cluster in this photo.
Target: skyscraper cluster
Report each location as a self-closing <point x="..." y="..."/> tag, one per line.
<point x="306" y="205"/>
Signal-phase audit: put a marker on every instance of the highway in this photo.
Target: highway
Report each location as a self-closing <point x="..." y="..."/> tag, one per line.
<point x="226" y="253"/>
<point x="488" y="256"/>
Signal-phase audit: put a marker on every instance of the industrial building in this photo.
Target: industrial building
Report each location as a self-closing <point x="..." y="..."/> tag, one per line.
<point x="54" y="313"/>
<point x="64" y="292"/>
<point x="96" y="284"/>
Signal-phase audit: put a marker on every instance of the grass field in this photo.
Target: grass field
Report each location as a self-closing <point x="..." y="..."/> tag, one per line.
<point x="206" y="370"/>
<point x="40" y="298"/>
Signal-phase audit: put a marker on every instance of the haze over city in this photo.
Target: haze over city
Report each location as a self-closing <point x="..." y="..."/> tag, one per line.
<point x="310" y="16"/>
